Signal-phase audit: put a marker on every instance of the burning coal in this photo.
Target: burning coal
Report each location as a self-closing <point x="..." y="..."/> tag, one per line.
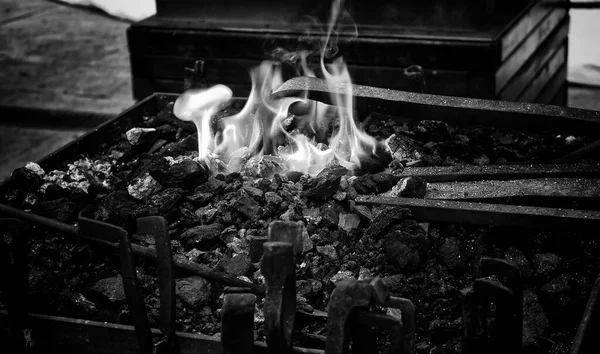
<point x="265" y="125"/>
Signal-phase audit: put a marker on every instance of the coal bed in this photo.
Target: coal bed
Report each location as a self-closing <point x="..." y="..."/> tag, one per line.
<point x="145" y="163"/>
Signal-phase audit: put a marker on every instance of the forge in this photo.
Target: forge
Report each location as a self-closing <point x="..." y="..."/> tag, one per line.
<point x="313" y="214"/>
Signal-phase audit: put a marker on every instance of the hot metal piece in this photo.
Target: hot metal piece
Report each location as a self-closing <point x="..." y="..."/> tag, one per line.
<point x="278" y="268"/>
<point x="237" y="321"/>
<point x="157" y="226"/>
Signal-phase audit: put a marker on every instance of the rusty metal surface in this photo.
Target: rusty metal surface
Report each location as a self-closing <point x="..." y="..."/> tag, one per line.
<point x="278" y="267"/>
<point x="488" y="190"/>
<point x="490" y="214"/>
<point x="454" y="110"/>
<point x="157" y="227"/>
<point x="586" y="339"/>
<point x="237" y="321"/>
<point x="502" y="172"/>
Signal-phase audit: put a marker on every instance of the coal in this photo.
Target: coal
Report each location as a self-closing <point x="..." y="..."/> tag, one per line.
<point x="386" y="219"/>
<point x="451" y="255"/>
<point x="182" y="174"/>
<point x="239" y="264"/>
<point x="62" y="209"/>
<point x="194" y="291"/>
<point x="248" y="207"/>
<point x="535" y="321"/>
<point x="202" y="237"/>
<point x="325" y="184"/>
<point x="111" y="289"/>
<point x="200" y="198"/>
<point x="410" y="187"/>
<point x="375" y="183"/>
<point x="432" y="130"/>
<point x="348" y="222"/>
<point x="26" y="179"/>
<point x="406" y="246"/>
<point x="546" y="264"/>
<point x="123" y="210"/>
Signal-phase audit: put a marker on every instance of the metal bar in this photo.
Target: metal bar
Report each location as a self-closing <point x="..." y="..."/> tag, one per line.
<point x="278" y="267"/>
<point x="68" y="335"/>
<point x="157" y="226"/>
<point x="454" y="110"/>
<point x="489" y="214"/>
<point x="137" y="307"/>
<point x="141" y="251"/>
<point x="489" y="190"/>
<point x="501" y="172"/>
<point x="237" y="321"/>
<point x="586" y="339"/>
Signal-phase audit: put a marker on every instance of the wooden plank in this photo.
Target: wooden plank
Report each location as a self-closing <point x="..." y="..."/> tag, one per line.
<point x="519" y="82"/>
<point x="512" y="64"/>
<point x="15" y="10"/>
<point x="544" y="76"/>
<point x="156" y="37"/>
<point x="63" y="58"/>
<point x="236" y="71"/>
<point x="561" y="97"/>
<point x="531" y="17"/>
<point x="451" y="211"/>
<point x="553" y="86"/>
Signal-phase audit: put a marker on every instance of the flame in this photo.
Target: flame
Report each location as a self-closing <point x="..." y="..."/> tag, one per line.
<point x="261" y="127"/>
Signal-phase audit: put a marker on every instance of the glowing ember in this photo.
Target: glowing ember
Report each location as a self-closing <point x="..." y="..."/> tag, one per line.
<point x="262" y="126"/>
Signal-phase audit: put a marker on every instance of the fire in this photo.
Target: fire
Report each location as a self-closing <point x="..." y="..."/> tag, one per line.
<point x="261" y="127"/>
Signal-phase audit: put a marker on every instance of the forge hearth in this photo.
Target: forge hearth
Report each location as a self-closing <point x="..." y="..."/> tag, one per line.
<point x="218" y="222"/>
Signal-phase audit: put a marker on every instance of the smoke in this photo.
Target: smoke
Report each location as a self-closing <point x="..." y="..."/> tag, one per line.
<point x="319" y="41"/>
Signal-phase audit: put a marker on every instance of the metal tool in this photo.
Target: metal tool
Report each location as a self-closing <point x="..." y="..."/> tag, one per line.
<point x="14" y="271"/>
<point x="279" y="268"/>
<point x="237" y="321"/>
<point x="507" y="295"/>
<point x="139" y="314"/>
<point x="287" y="231"/>
<point x="453" y="211"/>
<point x="91" y="234"/>
<point x="349" y="318"/>
<point x="450" y="109"/>
<point x="157" y="226"/>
